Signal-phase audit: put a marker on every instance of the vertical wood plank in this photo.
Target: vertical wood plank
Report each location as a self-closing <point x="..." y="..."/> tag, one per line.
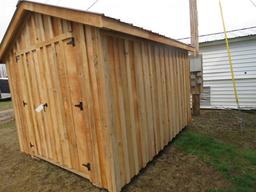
<point x="92" y="146"/>
<point x="139" y="101"/>
<point x="131" y="95"/>
<point x="159" y="102"/>
<point x="148" y="129"/>
<point x="175" y="87"/>
<point x="113" y="56"/>
<point x="17" y="103"/>
<point x="164" y="107"/>
<point x="27" y="106"/>
<point x="150" y="50"/>
<point x="62" y="59"/>
<point x="121" y="64"/>
<point x="172" y="93"/>
<point x="40" y="59"/>
<point x="168" y="93"/>
<point x="108" y="55"/>
<point x="33" y="132"/>
<point x="60" y="113"/>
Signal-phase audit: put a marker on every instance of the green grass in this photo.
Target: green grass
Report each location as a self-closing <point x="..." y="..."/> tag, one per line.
<point x="5" y="105"/>
<point x="9" y="125"/>
<point x="237" y="165"/>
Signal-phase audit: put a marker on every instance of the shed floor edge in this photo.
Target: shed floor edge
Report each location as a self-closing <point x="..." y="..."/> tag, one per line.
<point x="130" y="181"/>
<point x="67" y="169"/>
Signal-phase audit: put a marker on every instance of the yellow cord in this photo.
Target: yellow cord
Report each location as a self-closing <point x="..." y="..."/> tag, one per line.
<point x="229" y="57"/>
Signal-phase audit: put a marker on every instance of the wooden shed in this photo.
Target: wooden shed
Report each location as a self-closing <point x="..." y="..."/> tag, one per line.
<point x="91" y="94"/>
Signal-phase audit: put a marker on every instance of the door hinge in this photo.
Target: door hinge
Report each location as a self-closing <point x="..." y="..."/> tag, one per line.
<point x="24" y="103"/>
<point x="71" y="41"/>
<point x="31" y="145"/>
<point x="88" y="166"/>
<point x="80" y="105"/>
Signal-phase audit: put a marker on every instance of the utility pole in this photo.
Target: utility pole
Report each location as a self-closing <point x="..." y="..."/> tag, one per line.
<point x="196" y="59"/>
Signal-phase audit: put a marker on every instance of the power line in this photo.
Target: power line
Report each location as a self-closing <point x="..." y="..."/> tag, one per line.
<point x="254" y="4"/>
<point x="235" y="30"/>
<point x="92" y="5"/>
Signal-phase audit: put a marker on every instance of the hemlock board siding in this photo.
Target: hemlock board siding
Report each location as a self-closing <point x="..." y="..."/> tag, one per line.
<point x="111" y="101"/>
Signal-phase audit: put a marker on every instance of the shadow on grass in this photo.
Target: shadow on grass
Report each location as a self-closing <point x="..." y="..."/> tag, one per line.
<point x="238" y="165"/>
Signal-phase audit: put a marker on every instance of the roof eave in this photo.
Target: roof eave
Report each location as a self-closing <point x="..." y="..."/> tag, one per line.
<point x="88" y="18"/>
<point x="10" y="32"/>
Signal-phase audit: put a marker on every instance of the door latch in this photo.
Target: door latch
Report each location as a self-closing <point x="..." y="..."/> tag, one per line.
<point x="80" y="105"/>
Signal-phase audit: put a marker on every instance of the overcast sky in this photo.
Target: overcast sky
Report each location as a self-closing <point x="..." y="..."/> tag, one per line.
<point x="167" y="17"/>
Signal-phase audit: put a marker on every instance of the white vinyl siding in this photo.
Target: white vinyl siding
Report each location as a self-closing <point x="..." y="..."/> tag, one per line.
<point x="217" y="76"/>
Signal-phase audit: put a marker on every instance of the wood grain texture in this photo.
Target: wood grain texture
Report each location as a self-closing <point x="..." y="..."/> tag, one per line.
<point x="148" y="98"/>
<point x="134" y="94"/>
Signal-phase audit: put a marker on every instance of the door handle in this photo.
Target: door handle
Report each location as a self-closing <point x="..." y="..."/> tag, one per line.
<point x="80" y="105"/>
<point x="41" y="107"/>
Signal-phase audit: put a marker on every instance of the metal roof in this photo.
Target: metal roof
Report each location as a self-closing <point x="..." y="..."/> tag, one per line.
<point x="83" y="17"/>
<point x="244" y="32"/>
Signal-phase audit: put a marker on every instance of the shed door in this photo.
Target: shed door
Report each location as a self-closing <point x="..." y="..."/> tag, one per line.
<point x="55" y="104"/>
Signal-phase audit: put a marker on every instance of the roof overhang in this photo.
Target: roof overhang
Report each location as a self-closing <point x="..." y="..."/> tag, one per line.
<point x="83" y="17"/>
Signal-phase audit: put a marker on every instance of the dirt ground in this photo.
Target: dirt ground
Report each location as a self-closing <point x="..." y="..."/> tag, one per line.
<point x="229" y="126"/>
<point x="171" y="170"/>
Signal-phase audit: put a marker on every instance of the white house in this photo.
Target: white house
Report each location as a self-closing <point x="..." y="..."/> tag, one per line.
<point x="217" y="82"/>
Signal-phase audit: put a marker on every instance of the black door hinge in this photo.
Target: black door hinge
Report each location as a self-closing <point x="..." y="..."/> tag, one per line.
<point x="24" y="103"/>
<point x="71" y="41"/>
<point x="31" y="145"/>
<point x="88" y="166"/>
<point x="80" y="105"/>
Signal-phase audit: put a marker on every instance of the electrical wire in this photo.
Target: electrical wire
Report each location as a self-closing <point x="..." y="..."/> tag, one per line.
<point x="219" y="33"/>
<point x="254" y="4"/>
<point x="92" y="5"/>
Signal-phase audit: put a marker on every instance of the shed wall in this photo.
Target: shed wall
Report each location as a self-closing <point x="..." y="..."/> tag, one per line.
<point x="217" y="74"/>
<point x="135" y="95"/>
<point x="148" y="99"/>
<point x="44" y="68"/>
